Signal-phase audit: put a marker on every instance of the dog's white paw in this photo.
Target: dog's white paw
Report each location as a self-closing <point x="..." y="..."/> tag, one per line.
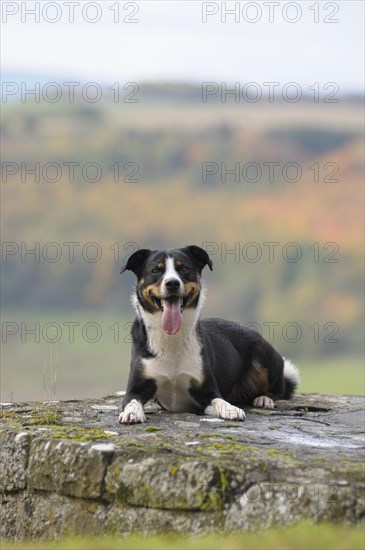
<point x="223" y="409"/>
<point x="133" y="413"/>
<point x="264" y="401"/>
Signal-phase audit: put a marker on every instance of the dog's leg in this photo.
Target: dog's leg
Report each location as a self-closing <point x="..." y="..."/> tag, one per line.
<point x="139" y="391"/>
<point x="263" y="401"/>
<point x="222" y="409"/>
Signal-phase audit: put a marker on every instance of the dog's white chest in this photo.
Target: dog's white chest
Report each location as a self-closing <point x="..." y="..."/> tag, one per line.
<point x="177" y="363"/>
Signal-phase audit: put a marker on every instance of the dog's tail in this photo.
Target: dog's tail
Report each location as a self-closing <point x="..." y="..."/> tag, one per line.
<point x="291" y="377"/>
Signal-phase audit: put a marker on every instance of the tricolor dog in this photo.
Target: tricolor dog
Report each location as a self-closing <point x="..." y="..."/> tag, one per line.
<point x="207" y="366"/>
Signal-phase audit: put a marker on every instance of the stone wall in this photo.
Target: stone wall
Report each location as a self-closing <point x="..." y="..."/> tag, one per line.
<point x="69" y="468"/>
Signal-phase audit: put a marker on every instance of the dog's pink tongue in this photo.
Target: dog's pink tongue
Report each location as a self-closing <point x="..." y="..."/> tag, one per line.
<point x="171" y="316"/>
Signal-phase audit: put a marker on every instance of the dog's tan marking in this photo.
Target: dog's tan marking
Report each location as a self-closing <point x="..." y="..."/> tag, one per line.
<point x="256" y="381"/>
<point x="146" y="293"/>
<point x="194" y="288"/>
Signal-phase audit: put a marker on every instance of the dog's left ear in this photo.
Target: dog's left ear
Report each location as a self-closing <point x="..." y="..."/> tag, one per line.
<point x="136" y="261"/>
<point x="199" y="256"/>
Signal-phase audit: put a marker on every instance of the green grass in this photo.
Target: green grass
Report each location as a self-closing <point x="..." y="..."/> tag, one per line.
<point x="299" y="537"/>
<point x="340" y="376"/>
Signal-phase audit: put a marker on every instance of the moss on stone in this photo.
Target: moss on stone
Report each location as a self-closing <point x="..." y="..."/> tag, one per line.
<point x="224" y="480"/>
<point x="207" y="436"/>
<point x="79" y="433"/>
<point x="7" y="414"/>
<point x="46" y="415"/>
<point x="229" y="447"/>
<point x="277" y="453"/>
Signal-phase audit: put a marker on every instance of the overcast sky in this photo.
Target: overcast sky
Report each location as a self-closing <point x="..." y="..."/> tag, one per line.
<point x="171" y="42"/>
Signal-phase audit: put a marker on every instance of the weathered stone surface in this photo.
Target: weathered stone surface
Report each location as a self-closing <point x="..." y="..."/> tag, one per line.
<point x="14" y="460"/>
<point x="120" y="520"/>
<point x="70" y="468"/>
<point x="48" y="516"/>
<point x="268" y="504"/>
<point x="164" y="483"/>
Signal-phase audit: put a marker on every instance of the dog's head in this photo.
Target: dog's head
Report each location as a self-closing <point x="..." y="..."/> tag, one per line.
<point x="168" y="281"/>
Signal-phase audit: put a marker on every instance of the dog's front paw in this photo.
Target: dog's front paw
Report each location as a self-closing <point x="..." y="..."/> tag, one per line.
<point x="263" y="401"/>
<point x="223" y="409"/>
<point x="133" y="413"/>
<point x="230" y="412"/>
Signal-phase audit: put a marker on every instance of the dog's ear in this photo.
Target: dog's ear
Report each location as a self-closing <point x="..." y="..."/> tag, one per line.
<point x="199" y="256"/>
<point x="136" y="261"/>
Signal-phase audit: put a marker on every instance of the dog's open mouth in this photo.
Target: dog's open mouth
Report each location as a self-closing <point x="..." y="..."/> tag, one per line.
<point x="160" y="303"/>
<point x="172" y="309"/>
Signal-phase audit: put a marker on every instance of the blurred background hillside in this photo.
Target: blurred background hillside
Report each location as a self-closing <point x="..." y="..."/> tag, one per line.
<point x="285" y="232"/>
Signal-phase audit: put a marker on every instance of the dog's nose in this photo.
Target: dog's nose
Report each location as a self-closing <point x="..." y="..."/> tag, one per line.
<point x="172" y="284"/>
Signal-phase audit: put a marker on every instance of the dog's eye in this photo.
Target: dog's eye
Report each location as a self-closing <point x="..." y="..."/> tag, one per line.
<point x="185" y="269"/>
<point x="155" y="270"/>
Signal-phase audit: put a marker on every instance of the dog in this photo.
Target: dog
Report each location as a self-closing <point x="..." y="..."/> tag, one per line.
<point x="208" y="366"/>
